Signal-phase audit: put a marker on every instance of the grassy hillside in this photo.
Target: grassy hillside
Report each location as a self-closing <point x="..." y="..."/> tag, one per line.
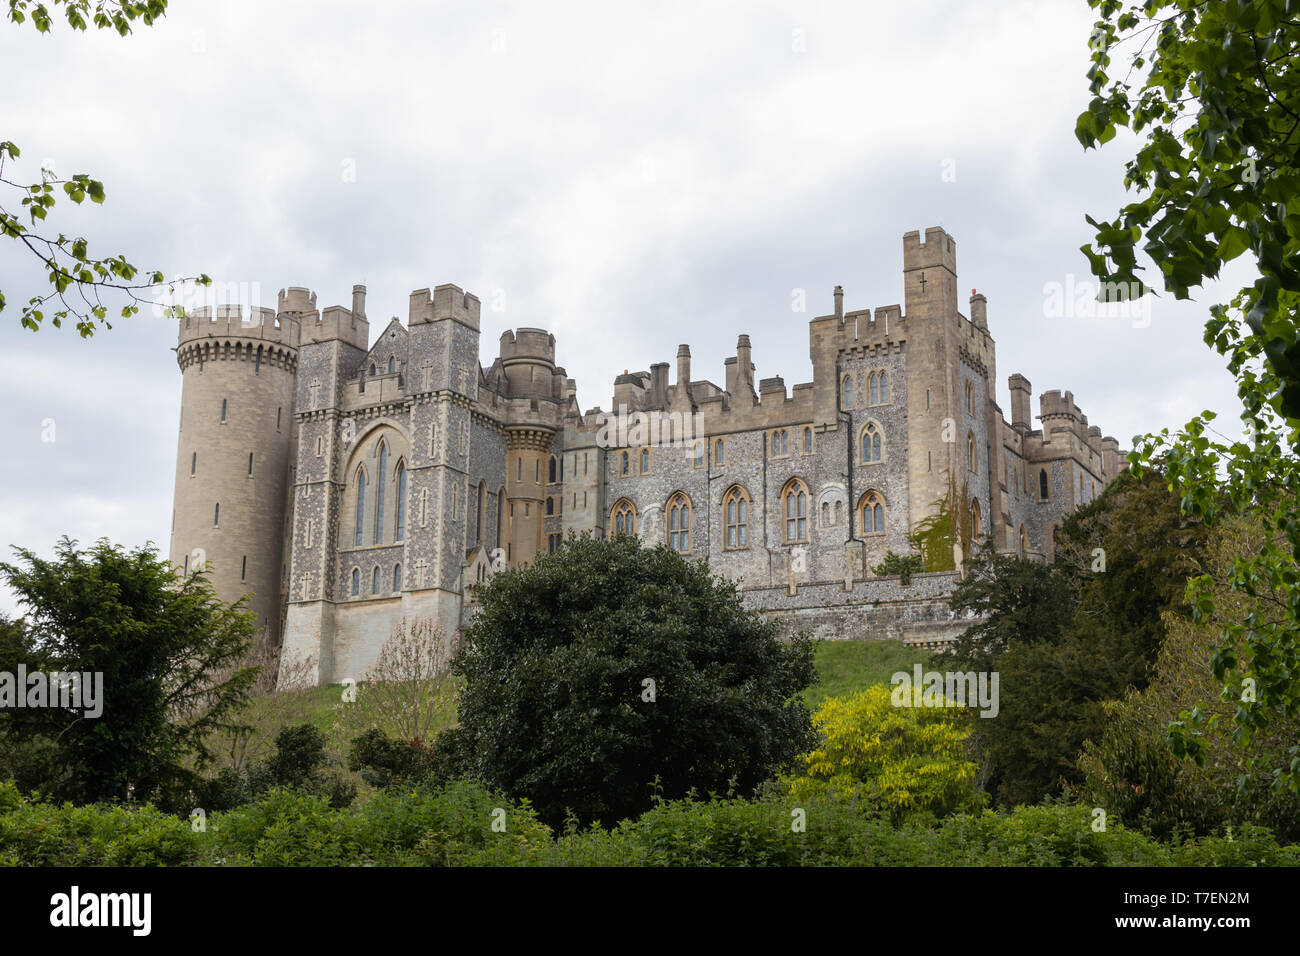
<point x="844" y="667"/>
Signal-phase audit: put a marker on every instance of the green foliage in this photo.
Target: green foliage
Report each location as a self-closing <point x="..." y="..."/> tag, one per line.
<point x="67" y="261"/>
<point x="1217" y="173"/>
<point x="904" y="565"/>
<point x="1015" y="601"/>
<point x="169" y="651"/>
<point x="1130" y="770"/>
<point x="901" y="761"/>
<point x="557" y="704"/>
<point x="1217" y="104"/>
<point x="465" y="824"/>
<point x="1066" y="639"/>
<point x="932" y="538"/>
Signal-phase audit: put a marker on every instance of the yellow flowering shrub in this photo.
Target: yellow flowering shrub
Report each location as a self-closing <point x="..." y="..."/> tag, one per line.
<point x="900" y="760"/>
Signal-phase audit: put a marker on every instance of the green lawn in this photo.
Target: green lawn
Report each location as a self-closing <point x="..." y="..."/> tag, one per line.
<point x="844" y="667"/>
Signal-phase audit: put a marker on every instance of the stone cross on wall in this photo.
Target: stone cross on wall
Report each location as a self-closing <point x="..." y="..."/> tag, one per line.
<point x="420" y="568"/>
<point x="922" y="281"/>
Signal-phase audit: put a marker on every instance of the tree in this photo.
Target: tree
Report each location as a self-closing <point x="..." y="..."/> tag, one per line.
<point x="901" y="760"/>
<point x="169" y="653"/>
<point x="607" y="666"/>
<point x="1014" y="600"/>
<point x="1067" y="638"/>
<point x="1219" y="106"/>
<point x="67" y="260"/>
<point x="1130" y="771"/>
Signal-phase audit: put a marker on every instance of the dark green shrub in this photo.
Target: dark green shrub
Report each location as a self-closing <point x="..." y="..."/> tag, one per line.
<point x="608" y="664"/>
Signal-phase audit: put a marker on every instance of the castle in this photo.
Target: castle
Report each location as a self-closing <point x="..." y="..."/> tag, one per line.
<point x="347" y="485"/>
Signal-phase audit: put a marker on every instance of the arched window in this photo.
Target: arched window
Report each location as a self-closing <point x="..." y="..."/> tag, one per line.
<point x="871" y="513"/>
<point x="807" y="441"/>
<point x="397" y="577"/>
<point x="374" y="582"/>
<point x="623" y="518"/>
<point x="361" y="504"/>
<point x="372" y="368"/>
<point x="872" y="444"/>
<point x="382" y="482"/>
<point x="356" y="581"/>
<point x="975" y="525"/>
<point x="884" y="387"/>
<point x="719" y="452"/>
<point x="735" y="516"/>
<point x="875" y="390"/>
<point x="401" y="502"/>
<point x="780" y="442"/>
<point x="1024" y="542"/>
<point x="679" y="523"/>
<point x="971" y="462"/>
<point x="645" y="461"/>
<point x="826" y="514"/>
<point x="846" y="387"/>
<point x="392" y="367"/>
<point x="1042" y="483"/>
<point x="795" y="507"/>
<point x="623" y="468"/>
<point x="970" y="397"/>
<point x="839" y="507"/>
<point x="550" y="506"/>
<point x="550" y="471"/>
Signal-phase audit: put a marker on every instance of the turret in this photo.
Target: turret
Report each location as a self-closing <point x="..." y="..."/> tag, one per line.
<point x="234" y="447"/>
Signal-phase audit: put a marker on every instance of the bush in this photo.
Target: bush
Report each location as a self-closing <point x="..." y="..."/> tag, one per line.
<point x="902" y="761"/>
<point x="608" y="664"/>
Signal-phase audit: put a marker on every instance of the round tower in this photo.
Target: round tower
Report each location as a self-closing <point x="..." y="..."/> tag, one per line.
<point x="234" y="452"/>
<point x="528" y="358"/>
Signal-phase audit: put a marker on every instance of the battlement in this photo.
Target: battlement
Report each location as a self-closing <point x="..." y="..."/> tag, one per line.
<point x="534" y="345"/>
<point x="936" y="250"/>
<point x="231" y="321"/>
<point x="296" y="299"/>
<point x="446" y="302"/>
<point x="1054" y="405"/>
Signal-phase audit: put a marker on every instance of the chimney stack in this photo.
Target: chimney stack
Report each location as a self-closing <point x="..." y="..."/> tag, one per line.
<point x="358" y="301"/>
<point x="683" y="366"/>
<point x="979" y="310"/>
<point x="839" y="302"/>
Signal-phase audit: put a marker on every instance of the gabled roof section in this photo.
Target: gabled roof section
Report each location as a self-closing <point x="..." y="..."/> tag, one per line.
<point x="392" y="341"/>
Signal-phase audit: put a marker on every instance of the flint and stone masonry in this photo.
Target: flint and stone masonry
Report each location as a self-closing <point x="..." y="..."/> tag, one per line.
<point x="346" y="484"/>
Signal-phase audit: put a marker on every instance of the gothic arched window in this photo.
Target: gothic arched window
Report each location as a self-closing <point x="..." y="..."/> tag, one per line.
<point x="379" y="493"/>
<point x="735" y="517"/>
<point x="679" y="523"/>
<point x="361" y="504"/>
<point x="971" y="462"/>
<point x="1042" y="483"/>
<point x="975" y="524"/>
<point x="719" y="452"/>
<point x="374" y="582"/>
<point x="872" y="444"/>
<point x="550" y="471"/>
<point x="392" y="367"/>
<point x="397" y="577"/>
<point x="871" y="512"/>
<point x="623" y="517"/>
<point x="795" y="507"/>
<point x="401" y="502"/>
<point x="356" y="581"/>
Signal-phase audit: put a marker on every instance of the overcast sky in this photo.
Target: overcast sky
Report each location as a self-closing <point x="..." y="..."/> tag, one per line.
<point x="628" y="176"/>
